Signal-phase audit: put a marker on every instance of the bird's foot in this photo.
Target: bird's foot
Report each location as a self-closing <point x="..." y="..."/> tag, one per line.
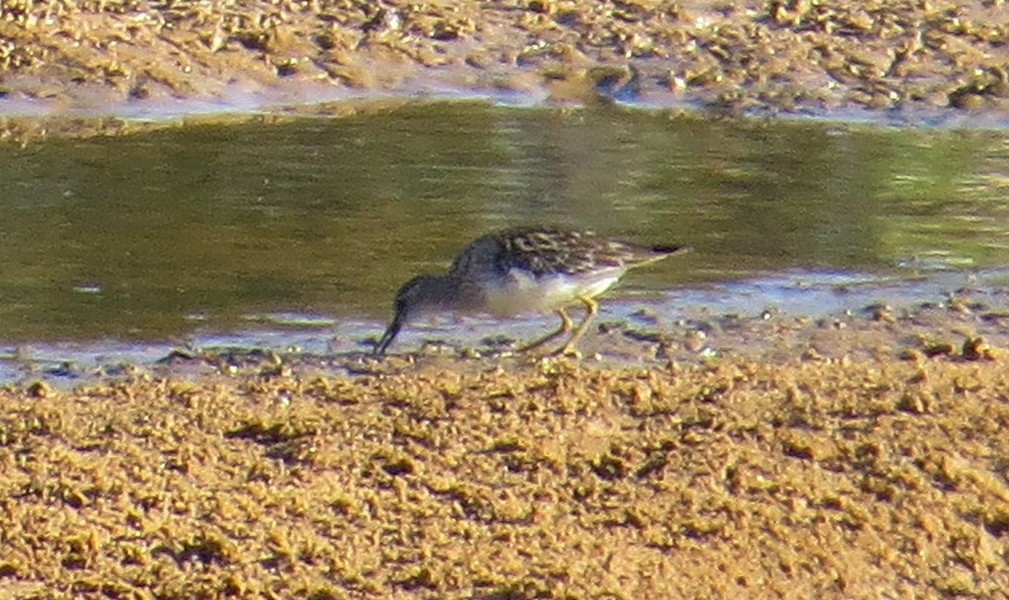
<point x="567" y="351"/>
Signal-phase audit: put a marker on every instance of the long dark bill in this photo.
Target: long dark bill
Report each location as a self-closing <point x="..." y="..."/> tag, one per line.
<point x="388" y="336"/>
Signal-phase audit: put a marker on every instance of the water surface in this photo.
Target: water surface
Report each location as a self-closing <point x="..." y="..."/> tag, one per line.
<point x="208" y="230"/>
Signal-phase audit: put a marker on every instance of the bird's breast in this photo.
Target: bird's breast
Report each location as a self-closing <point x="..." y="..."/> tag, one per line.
<point x="520" y="292"/>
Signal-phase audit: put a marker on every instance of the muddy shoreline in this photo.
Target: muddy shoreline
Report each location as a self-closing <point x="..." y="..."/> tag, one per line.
<point x="129" y="60"/>
<point x="816" y="477"/>
<point x="770" y="456"/>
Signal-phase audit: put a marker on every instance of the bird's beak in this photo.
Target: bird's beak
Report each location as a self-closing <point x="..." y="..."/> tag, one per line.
<point x="389" y="335"/>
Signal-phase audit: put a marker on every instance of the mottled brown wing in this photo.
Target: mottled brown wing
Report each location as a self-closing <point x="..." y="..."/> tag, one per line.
<point x="548" y="251"/>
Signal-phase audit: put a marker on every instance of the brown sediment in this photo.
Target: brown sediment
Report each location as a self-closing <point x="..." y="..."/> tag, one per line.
<point x="776" y="56"/>
<point x="817" y="478"/>
<point x="853" y="457"/>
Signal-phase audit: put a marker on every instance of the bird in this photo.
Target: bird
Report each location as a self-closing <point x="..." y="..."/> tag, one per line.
<point x="525" y="270"/>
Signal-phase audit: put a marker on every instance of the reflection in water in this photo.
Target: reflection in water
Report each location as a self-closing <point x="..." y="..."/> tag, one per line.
<point x="155" y="236"/>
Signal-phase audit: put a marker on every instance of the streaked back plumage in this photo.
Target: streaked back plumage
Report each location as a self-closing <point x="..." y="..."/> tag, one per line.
<point x="545" y="251"/>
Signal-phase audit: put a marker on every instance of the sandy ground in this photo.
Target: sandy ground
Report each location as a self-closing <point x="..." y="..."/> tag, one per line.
<point x="855" y="456"/>
<point x="142" y="58"/>
<point x="862" y="456"/>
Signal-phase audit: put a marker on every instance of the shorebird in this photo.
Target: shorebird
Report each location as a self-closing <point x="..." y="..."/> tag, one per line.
<point x="524" y="270"/>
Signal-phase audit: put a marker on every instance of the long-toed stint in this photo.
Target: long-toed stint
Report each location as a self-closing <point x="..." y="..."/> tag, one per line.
<point x="524" y="270"/>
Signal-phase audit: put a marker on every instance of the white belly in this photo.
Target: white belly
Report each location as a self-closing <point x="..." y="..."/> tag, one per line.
<point x="520" y="292"/>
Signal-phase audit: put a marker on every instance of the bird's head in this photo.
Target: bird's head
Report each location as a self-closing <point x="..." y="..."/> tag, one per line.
<point x="420" y="296"/>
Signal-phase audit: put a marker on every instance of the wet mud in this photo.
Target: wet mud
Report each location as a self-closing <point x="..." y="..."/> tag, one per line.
<point x="778" y="56"/>
<point x="850" y="456"/>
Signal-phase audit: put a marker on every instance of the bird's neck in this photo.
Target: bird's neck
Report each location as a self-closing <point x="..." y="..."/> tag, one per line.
<point x="452" y="292"/>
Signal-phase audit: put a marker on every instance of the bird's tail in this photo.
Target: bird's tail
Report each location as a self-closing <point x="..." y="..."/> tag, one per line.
<point x="649" y="254"/>
<point x="669" y="249"/>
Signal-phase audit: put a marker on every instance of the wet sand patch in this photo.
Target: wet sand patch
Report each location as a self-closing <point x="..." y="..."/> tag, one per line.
<point x="833" y="478"/>
<point x="836" y="467"/>
<point x="124" y="58"/>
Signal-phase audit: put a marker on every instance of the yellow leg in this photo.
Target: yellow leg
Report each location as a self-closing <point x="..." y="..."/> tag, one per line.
<point x="564" y="328"/>
<point x="591" y="310"/>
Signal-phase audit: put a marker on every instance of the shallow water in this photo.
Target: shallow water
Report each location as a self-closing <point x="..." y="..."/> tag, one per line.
<point x="267" y="231"/>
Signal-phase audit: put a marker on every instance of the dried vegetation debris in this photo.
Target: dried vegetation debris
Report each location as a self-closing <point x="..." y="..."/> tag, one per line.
<point x="822" y="477"/>
<point x="771" y="55"/>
